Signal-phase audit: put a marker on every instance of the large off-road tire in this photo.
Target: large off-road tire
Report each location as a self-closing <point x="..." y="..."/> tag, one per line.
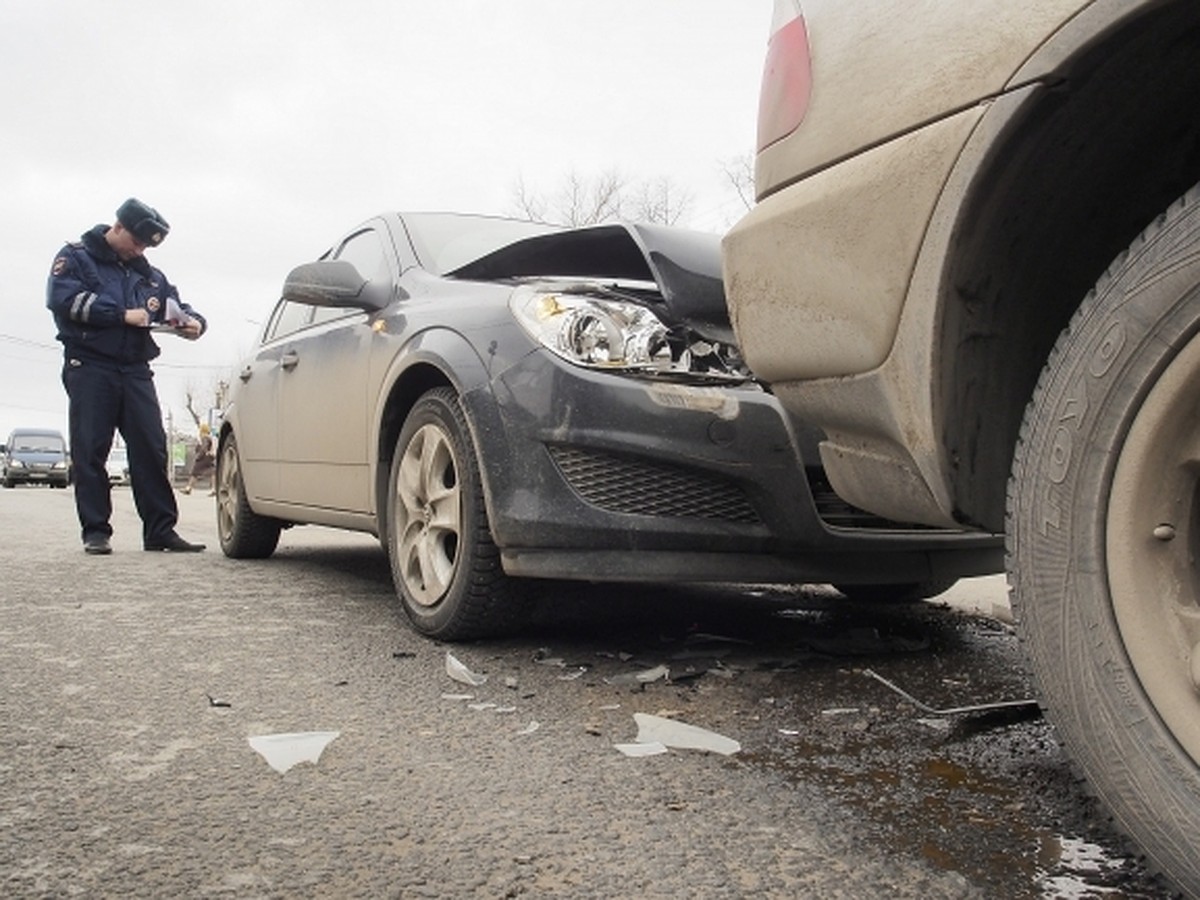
<point x="445" y="566"/>
<point x="242" y="532"/>
<point x="1103" y="534"/>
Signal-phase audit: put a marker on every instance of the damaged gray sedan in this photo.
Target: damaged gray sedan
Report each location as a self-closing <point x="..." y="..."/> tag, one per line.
<point x="502" y="402"/>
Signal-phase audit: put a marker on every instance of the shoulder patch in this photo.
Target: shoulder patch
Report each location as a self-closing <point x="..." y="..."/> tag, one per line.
<point x="60" y="265"/>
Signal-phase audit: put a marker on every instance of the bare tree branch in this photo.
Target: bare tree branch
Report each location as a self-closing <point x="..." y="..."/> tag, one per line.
<point x="606" y="197"/>
<point x="662" y="202"/>
<point x="740" y="172"/>
<point x="528" y="206"/>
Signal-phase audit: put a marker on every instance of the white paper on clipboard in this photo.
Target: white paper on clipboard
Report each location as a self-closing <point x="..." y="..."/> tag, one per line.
<point x="174" y="318"/>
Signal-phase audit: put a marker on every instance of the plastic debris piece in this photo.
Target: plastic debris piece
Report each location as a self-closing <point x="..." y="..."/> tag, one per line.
<point x="682" y="736"/>
<point x="694" y="669"/>
<point x="458" y="697"/>
<point x="461" y="673"/>
<point x="840" y="711"/>
<point x="505" y="709"/>
<point x="282" y="751"/>
<point x="954" y="710"/>
<point x="480" y="707"/>
<point x="213" y="701"/>
<point x="572" y="676"/>
<point x="789" y="732"/>
<point x="650" y="748"/>
<point x="646" y="676"/>
<point x="533" y="726"/>
<point x="511" y="682"/>
<point x="608" y="707"/>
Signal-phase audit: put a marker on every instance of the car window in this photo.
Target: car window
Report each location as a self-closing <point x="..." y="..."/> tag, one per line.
<point x="39" y="443"/>
<point x="288" y="318"/>
<point x="365" y="252"/>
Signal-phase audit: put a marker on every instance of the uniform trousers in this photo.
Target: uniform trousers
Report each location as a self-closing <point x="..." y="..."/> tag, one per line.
<point x="104" y="399"/>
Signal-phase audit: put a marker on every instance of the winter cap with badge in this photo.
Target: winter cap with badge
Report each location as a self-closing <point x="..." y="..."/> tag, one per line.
<point x="143" y="221"/>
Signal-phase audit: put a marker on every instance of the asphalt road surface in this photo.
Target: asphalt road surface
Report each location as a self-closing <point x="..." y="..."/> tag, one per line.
<point x="153" y="703"/>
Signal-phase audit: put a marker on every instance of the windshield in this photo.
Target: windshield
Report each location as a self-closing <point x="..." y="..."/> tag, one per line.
<point x="38" y="443"/>
<point x="448" y="241"/>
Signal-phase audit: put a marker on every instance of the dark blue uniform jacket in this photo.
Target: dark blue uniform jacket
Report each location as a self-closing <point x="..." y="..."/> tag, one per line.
<point x="89" y="290"/>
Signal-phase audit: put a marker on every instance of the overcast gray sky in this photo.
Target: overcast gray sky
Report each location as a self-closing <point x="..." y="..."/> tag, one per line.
<point x="264" y="130"/>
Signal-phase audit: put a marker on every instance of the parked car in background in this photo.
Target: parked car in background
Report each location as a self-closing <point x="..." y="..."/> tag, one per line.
<point x="36" y="456"/>
<point x="502" y="401"/>
<point x="117" y="465"/>
<point x="975" y="266"/>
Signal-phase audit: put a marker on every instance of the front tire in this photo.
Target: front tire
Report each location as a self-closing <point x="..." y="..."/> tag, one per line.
<point x="242" y="532"/>
<point x="1103" y="530"/>
<point x="444" y="564"/>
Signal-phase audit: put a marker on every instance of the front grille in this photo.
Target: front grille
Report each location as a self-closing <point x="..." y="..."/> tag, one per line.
<point x="643" y="488"/>
<point x="837" y="513"/>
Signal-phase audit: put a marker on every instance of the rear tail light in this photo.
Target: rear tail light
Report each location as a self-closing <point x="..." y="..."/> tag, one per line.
<point x="787" y="75"/>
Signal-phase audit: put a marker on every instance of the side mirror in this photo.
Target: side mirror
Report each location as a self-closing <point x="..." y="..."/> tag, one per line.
<point x="334" y="282"/>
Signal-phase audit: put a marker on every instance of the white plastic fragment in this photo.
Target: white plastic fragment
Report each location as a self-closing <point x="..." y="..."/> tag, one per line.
<point x="682" y="736"/>
<point x="461" y="673"/>
<point x="458" y="697"/>
<point x="652" y="748"/>
<point x="645" y="676"/>
<point x="533" y="726"/>
<point x="282" y="751"/>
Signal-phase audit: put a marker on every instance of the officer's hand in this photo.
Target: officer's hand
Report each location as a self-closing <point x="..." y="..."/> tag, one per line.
<point x="190" y="329"/>
<point x="137" y="317"/>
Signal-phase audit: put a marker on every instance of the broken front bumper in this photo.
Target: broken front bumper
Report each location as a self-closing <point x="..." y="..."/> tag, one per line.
<point x="602" y="476"/>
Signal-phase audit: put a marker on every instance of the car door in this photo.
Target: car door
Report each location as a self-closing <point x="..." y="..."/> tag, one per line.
<point x="324" y="443"/>
<point x="256" y="403"/>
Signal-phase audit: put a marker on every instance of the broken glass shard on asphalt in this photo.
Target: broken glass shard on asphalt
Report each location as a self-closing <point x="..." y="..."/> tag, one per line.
<point x="682" y="736"/>
<point x="461" y="673"/>
<point x="282" y="751"/>
<point x="646" y="676"/>
<point x="653" y="748"/>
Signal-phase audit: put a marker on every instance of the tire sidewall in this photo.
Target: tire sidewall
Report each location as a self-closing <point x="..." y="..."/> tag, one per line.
<point x="1142" y="313"/>
<point x="249" y="536"/>
<point x="440" y="408"/>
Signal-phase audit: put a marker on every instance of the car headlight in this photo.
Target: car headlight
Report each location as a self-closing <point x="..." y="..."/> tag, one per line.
<point x="595" y="331"/>
<point x="60" y="465"/>
<point x="16" y="464"/>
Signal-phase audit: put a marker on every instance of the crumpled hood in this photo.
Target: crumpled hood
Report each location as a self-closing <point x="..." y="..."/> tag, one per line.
<point x="686" y="266"/>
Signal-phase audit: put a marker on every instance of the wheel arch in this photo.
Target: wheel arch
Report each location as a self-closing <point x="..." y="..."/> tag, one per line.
<point x="435" y="358"/>
<point x="1084" y="164"/>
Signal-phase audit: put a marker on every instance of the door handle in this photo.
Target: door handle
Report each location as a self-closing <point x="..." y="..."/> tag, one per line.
<point x="289" y="360"/>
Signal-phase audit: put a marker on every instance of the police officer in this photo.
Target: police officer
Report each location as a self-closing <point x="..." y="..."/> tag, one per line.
<point x="106" y="300"/>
